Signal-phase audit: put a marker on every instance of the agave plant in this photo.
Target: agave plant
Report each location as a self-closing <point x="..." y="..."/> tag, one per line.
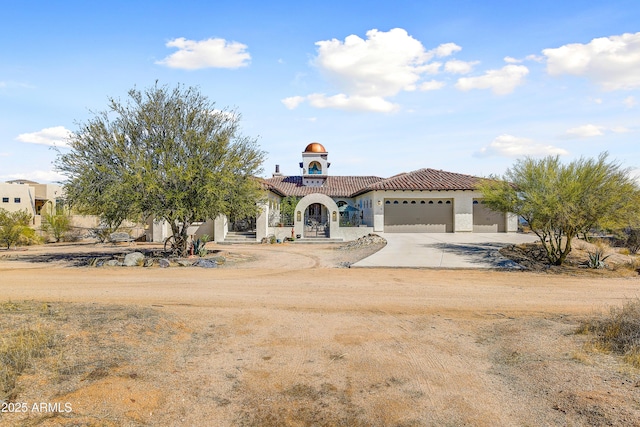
<point x="596" y="259"/>
<point x="199" y="246"/>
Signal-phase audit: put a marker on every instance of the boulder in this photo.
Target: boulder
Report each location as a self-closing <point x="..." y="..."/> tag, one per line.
<point x="113" y="263"/>
<point x="164" y="263"/>
<point x="184" y="263"/>
<point x="133" y="259"/>
<point x="205" y="263"/>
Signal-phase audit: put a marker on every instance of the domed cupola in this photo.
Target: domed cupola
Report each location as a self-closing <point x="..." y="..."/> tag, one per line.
<point x="314" y="165"/>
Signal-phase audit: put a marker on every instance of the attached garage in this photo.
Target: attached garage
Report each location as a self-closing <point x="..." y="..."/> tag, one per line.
<point x="487" y="221"/>
<point x="418" y="216"/>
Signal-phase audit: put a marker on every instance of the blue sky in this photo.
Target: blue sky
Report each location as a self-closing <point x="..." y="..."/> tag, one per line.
<point x="386" y="87"/>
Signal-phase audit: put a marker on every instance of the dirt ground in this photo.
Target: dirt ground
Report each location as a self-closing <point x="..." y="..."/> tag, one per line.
<point x="284" y="335"/>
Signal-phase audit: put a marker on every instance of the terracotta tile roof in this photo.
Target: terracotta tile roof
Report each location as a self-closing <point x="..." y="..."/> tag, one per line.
<point x="426" y="179"/>
<point x="334" y="186"/>
<point x="350" y="186"/>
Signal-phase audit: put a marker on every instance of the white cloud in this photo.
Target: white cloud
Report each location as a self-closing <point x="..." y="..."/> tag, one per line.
<point x="585" y="131"/>
<point x="37" y="176"/>
<point x="293" y="101"/>
<point x="4" y="154"/>
<point x="630" y="101"/>
<point x="512" y="146"/>
<point x="55" y="136"/>
<point x="512" y="60"/>
<point x="352" y="103"/>
<point x="382" y="65"/>
<point x="446" y="49"/>
<point x="501" y="82"/>
<point x="210" y="53"/>
<point x="456" y="66"/>
<point x="432" y="85"/>
<point x="367" y="71"/>
<point x="612" y="62"/>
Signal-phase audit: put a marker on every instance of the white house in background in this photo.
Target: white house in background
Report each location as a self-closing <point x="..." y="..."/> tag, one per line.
<point x="348" y="207"/>
<point x="23" y="194"/>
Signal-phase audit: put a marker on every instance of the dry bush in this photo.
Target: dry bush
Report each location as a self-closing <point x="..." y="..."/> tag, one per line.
<point x="617" y="332"/>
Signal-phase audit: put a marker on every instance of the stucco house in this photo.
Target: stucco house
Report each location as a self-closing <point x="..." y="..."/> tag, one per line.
<point x="21" y="194"/>
<point x="344" y="208"/>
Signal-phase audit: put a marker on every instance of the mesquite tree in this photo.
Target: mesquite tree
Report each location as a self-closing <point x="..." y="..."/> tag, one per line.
<point x="166" y="154"/>
<point x="561" y="201"/>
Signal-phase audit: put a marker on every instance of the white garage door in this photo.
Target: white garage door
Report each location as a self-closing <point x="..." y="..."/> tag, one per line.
<point x="418" y="216"/>
<point x="487" y="221"/>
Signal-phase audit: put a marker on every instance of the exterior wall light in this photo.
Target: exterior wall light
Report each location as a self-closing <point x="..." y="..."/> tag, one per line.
<point x="334" y="216"/>
<point x="299" y="216"/>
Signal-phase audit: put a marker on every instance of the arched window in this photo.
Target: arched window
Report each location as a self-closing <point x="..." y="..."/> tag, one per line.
<point x="395" y="202"/>
<point x="439" y="202"/>
<point x="405" y="202"/>
<point x="315" y="168"/>
<point x="387" y="202"/>
<point x="430" y="202"/>
<point x="341" y="203"/>
<point x="448" y="202"/>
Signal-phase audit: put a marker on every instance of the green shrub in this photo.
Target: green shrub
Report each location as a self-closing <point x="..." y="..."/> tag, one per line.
<point x="15" y="230"/>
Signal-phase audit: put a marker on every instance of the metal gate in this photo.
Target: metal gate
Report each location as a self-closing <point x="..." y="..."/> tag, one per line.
<point x="316" y="222"/>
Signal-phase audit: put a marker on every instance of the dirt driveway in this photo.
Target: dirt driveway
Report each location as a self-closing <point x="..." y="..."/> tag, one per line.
<point x="282" y="337"/>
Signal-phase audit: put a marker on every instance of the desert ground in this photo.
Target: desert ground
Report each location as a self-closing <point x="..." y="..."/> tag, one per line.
<point x="285" y="335"/>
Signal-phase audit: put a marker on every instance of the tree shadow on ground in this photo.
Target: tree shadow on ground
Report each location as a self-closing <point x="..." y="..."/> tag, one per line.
<point x="483" y="253"/>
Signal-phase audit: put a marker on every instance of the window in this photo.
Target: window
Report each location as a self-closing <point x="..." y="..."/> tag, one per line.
<point x="387" y="202"/>
<point x="5" y="200"/>
<point x="16" y="200"/>
<point x="405" y="202"/>
<point x="430" y="202"/>
<point x="315" y="168"/>
<point x="413" y="202"/>
<point x="448" y="202"/>
<point x="439" y="202"/>
<point x="422" y="202"/>
<point x="475" y="202"/>
<point x="395" y="202"/>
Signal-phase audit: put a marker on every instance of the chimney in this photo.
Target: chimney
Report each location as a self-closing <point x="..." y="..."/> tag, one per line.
<point x="277" y="172"/>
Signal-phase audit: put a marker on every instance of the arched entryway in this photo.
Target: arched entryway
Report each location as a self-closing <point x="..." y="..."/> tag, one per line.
<point x="316" y="221"/>
<point x="316" y="215"/>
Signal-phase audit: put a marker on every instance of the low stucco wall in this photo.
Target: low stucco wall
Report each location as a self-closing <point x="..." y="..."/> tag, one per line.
<point x="352" y="233"/>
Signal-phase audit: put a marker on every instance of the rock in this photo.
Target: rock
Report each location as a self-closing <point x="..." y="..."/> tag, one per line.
<point x="163" y="263"/>
<point x="113" y="263"/>
<point x="184" y="263"/>
<point x="218" y="259"/>
<point x="205" y="263"/>
<point x="148" y="262"/>
<point x="370" y="239"/>
<point x="133" y="259"/>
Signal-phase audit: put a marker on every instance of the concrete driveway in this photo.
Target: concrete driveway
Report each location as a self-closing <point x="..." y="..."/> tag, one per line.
<point x="445" y="250"/>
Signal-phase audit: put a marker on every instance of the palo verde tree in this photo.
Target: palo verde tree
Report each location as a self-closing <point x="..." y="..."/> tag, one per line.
<point x="560" y="201"/>
<point x="165" y="153"/>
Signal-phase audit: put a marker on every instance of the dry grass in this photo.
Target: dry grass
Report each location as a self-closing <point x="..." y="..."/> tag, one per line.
<point x="19" y="349"/>
<point x="618" y="332"/>
<point x="54" y="351"/>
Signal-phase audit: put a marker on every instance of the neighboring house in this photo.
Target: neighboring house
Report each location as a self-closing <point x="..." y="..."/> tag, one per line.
<point x="348" y="207"/>
<point x="23" y="194"/>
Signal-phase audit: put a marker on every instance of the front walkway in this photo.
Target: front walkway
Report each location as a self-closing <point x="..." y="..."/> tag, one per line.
<point x="445" y="250"/>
